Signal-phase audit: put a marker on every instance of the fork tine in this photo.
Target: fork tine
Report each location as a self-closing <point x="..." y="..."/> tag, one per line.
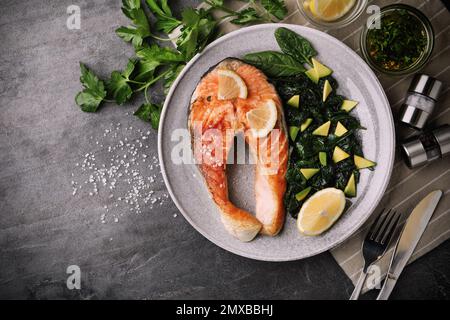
<point x="389" y="217"/>
<point x="374" y="225"/>
<point x="391" y="228"/>
<point x="379" y="222"/>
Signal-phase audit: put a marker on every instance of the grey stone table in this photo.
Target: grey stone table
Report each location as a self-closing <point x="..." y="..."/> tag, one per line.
<point x="48" y="220"/>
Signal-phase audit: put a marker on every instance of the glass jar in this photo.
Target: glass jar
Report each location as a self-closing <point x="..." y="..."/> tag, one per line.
<point x="343" y="21"/>
<point x="389" y="11"/>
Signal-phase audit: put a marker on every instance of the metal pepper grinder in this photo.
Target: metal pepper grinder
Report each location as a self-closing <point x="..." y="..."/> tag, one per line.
<point x="422" y="95"/>
<point x="427" y="147"/>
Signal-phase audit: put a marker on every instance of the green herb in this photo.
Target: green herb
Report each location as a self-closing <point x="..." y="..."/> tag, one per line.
<point x="399" y="43"/>
<point x="129" y="5"/>
<point x="247" y="16"/>
<point x="155" y="63"/>
<point x="140" y="28"/>
<point x="170" y="76"/>
<point x="166" y="22"/>
<point x="295" y="45"/>
<point x="199" y="28"/>
<point x="256" y="12"/>
<point x="93" y="93"/>
<point x="119" y="86"/>
<point x="275" y="64"/>
<point x="149" y="112"/>
<point x="277" y="8"/>
<point x="155" y="53"/>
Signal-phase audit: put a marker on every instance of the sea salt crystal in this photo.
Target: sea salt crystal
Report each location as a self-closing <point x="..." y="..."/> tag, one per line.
<point x="134" y="179"/>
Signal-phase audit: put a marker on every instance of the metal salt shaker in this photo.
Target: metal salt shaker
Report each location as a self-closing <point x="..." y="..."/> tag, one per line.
<point x="422" y="95"/>
<point x="427" y="147"/>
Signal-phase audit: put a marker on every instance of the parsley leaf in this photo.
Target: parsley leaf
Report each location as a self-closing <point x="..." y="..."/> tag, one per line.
<point x="170" y="77"/>
<point x="138" y="31"/>
<point x="93" y="93"/>
<point x="247" y="16"/>
<point x="256" y="11"/>
<point x="215" y="3"/>
<point x="160" y="54"/>
<point x="129" y="5"/>
<point x="149" y="112"/>
<point x="130" y="34"/>
<point x="118" y="86"/>
<point x="199" y="28"/>
<point x="277" y="8"/>
<point x="145" y="70"/>
<point x="166" y="21"/>
<point x="155" y="63"/>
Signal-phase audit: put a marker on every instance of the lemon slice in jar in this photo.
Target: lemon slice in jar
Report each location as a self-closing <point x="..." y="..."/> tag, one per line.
<point x="330" y="10"/>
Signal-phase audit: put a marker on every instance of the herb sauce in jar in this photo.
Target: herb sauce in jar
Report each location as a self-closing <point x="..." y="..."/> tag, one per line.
<point x="400" y="41"/>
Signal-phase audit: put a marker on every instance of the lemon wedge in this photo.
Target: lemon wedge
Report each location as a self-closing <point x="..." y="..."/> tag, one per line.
<point x="321" y="211"/>
<point x="330" y="10"/>
<point x="263" y="119"/>
<point x="231" y="85"/>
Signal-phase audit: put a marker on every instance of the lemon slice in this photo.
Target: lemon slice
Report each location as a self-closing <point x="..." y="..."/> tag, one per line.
<point x="262" y="119"/>
<point x="330" y="10"/>
<point x="321" y="211"/>
<point x="231" y="85"/>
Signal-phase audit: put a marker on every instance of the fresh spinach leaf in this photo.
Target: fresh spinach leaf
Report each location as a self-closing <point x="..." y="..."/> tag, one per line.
<point x="274" y="64"/>
<point x="295" y="45"/>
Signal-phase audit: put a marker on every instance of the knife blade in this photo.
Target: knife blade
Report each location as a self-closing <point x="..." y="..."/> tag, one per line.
<point x="412" y="232"/>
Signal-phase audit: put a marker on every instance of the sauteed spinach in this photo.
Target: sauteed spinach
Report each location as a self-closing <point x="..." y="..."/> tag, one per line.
<point x="313" y="163"/>
<point x="305" y="149"/>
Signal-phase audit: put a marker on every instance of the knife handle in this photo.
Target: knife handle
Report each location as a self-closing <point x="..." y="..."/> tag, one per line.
<point x="388" y="286"/>
<point x="359" y="286"/>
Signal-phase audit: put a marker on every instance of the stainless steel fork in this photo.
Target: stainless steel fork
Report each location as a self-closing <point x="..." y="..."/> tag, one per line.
<point x="375" y="244"/>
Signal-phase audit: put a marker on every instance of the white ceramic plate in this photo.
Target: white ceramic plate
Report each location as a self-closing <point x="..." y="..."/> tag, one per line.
<point x="188" y="191"/>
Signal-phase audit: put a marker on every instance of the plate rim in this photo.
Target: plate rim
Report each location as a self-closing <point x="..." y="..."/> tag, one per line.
<point x="383" y="97"/>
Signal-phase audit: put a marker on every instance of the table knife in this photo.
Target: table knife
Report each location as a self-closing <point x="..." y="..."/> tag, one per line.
<point x="412" y="232"/>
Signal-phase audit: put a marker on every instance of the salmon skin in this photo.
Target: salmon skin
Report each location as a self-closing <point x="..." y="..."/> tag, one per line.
<point x="213" y="123"/>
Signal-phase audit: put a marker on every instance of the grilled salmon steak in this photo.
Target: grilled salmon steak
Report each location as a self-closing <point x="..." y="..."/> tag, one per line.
<point x="213" y="123"/>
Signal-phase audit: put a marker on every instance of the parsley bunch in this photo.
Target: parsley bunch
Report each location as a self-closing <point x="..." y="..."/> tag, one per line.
<point x="156" y="63"/>
<point x="261" y="11"/>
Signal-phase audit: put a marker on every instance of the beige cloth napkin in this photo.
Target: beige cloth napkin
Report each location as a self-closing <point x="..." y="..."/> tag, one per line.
<point x="407" y="187"/>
